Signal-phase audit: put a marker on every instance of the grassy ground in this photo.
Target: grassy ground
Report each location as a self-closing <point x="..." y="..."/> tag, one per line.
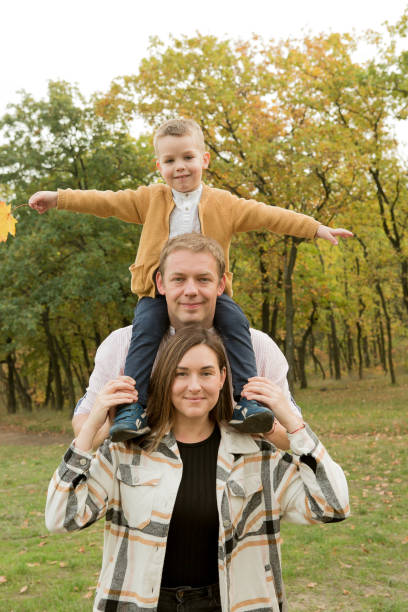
<point x="357" y="565"/>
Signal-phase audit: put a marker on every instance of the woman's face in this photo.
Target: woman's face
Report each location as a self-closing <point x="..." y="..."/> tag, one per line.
<point x="197" y="384"/>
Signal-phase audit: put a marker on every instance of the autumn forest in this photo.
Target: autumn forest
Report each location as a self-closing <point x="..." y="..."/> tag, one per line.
<point x="312" y="125"/>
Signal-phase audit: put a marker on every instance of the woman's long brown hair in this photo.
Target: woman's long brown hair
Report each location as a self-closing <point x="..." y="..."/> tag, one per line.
<point x="160" y="410"/>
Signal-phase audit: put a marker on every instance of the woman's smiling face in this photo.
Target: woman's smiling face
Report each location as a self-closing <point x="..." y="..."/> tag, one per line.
<point x="197" y="384"/>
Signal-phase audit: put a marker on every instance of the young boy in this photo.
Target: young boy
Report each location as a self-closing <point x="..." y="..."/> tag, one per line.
<point x="181" y="206"/>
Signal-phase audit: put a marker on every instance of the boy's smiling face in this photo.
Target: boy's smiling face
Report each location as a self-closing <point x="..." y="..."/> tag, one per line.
<point x="181" y="162"/>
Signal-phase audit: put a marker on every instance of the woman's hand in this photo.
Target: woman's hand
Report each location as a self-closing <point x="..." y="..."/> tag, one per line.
<point x="266" y="392"/>
<point x="119" y="391"/>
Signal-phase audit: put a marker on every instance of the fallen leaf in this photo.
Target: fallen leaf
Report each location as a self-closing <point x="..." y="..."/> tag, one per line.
<point x="346" y="592"/>
<point x="52" y="562"/>
<point x="88" y="595"/>
<point x="405" y="540"/>
<point x="81" y="550"/>
<point x="32" y="564"/>
<point x="63" y="564"/>
<point x="3" y="579"/>
<point x="311" y="585"/>
<point x="43" y="543"/>
<point x="24" y="589"/>
<point x="345" y="565"/>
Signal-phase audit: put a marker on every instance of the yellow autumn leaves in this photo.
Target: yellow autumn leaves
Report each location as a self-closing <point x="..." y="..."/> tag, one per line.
<point x="7" y="222"/>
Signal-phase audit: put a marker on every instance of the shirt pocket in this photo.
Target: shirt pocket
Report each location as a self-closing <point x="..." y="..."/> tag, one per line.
<point x="246" y="504"/>
<point x="138" y="487"/>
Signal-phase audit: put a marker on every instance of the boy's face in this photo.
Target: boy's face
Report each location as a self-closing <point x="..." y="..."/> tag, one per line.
<point x="181" y="162"/>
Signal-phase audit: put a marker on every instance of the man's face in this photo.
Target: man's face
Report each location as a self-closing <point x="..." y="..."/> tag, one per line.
<point x="181" y="162"/>
<point x="191" y="285"/>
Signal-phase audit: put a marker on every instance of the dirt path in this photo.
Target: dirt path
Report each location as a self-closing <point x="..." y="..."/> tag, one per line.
<point x="16" y="437"/>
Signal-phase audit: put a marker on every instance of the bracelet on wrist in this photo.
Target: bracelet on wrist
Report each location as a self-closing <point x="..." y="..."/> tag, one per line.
<point x="298" y="429"/>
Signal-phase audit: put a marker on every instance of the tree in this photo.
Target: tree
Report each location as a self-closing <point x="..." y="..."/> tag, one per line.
<point x="65" y="280"/>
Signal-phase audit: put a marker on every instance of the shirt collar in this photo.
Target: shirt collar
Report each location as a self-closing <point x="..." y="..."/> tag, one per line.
<point x="189" y="199"/>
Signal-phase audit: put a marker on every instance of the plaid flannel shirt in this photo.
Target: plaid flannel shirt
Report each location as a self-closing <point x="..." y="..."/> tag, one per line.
<point x="257" y="486"/>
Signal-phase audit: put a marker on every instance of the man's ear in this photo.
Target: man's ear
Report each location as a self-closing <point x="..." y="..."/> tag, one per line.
<point x="221" y="285"/>
<point x="159" y="283"/>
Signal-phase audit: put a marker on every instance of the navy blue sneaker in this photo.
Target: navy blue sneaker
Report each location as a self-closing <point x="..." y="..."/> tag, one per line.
<point x="251" y="417"/>
<point x="130" y="422"/>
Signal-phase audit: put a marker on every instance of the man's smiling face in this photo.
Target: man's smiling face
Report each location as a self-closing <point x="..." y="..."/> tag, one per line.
<point x="191" y="284"/>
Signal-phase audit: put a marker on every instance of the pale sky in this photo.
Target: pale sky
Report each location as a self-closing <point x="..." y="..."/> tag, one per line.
<point x="89" y="42"/>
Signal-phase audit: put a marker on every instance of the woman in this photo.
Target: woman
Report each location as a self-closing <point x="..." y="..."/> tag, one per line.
<point x="193" y="511"/>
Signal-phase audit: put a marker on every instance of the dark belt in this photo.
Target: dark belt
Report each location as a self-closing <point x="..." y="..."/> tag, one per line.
<point x="184" y="593"/>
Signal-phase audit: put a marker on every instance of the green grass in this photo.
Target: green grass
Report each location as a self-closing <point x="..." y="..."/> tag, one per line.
<point x="359" y="565"/>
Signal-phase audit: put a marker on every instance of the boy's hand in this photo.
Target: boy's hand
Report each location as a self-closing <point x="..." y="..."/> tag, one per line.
<point x="329" y="233"/>
<point x="43" y="201"/>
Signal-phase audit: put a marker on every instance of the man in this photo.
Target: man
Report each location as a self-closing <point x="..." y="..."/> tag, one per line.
<point x="190" y="277"/>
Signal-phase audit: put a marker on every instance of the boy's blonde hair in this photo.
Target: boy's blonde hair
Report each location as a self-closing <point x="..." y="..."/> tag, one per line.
<point x="180" y="127"/>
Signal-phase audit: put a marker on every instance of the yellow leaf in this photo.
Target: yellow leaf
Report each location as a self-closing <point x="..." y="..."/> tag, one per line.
<point x="7" y="222"/>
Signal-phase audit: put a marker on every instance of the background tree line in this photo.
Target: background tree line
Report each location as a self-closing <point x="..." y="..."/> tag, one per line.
<point x="299" y="124"/>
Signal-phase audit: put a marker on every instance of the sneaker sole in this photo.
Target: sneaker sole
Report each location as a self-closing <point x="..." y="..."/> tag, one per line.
<point x="258" y="423"/>
<point x="128" y="434"/>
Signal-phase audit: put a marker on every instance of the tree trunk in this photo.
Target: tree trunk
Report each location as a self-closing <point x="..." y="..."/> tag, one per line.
<point x="25" y="397"/>
<point x="11" y="389"/>
<point x="330" y="354"/>
<point x="301" y="350"/>
<point x="265" y="289"/>
<point x="359" y="337"/>
<point x="389" y="333"/>
<point x="366" y="352"/>
<point x="316" y="360"/>
<point x="381" y="345"/>
<point x="59" y="396"/>
<point x="335" y="346"/>
<point x="65" y="360"/>
<point x="349" y="349"/>
<point x="275" y="307"/>
<point x="289" y="266"/>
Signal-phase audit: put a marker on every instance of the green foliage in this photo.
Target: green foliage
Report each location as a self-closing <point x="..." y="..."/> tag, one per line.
<point x="65" y="282"/>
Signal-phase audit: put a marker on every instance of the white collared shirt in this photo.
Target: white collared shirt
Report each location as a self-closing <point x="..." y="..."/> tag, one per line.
<point x="184" y="216"/>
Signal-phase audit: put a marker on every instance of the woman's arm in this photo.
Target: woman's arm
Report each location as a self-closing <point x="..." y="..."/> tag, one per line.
<point x="81" y="487"/>
<point x="312" y="487"/>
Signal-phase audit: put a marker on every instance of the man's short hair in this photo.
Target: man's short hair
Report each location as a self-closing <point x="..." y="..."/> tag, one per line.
<point x="180" y="127"/>
<point x="197" y="243"/>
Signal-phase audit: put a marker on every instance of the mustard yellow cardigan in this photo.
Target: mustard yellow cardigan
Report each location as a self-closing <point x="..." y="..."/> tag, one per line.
<point x="221" y="215"/>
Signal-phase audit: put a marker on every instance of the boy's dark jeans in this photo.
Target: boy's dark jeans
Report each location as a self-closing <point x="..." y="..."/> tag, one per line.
<point x="186" y="599"/>
<point x="151" y="322"/>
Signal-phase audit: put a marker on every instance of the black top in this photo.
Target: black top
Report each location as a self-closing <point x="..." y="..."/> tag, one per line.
<point x="192" y="543"/>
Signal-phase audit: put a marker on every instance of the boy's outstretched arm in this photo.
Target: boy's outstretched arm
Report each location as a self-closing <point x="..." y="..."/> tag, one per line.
<point x="42" y="201"/>
<point x="331" y="234"/>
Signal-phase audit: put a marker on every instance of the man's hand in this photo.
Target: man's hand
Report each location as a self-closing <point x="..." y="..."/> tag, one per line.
<point x="43" y="201"/>
<point x="331" y="234"/>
